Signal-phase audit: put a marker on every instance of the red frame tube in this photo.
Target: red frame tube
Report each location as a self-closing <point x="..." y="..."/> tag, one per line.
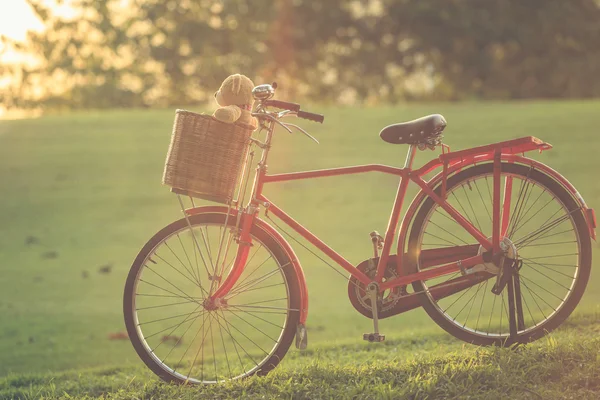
<point x="453" y="161"/>
<point x="321" y="173"/>
<point x="318" y="243"/>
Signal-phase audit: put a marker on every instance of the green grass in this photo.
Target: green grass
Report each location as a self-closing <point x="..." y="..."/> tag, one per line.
<point x="82" y="191"/>
<point x="563" y="365"/>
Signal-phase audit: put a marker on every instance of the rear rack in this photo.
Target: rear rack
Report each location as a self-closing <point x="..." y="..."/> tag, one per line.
<point x="514" y="146"/>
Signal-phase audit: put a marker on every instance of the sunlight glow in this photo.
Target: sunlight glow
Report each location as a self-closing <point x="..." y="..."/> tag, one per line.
<point x="16" y="18"/>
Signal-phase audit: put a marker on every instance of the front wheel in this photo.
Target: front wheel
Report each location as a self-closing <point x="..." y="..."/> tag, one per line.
<point x="546" y="231"/>
<point x="185" y="339"/>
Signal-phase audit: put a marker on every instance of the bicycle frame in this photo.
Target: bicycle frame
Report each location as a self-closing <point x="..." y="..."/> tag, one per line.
<point x="449" y="162"/>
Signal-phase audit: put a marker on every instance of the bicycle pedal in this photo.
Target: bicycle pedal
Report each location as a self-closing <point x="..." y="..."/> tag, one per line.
<point x="373" y="337"/>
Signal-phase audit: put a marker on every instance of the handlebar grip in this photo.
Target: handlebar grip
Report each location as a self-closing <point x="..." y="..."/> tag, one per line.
<point x="311" y="116"/>
<point x="283" y="105"/>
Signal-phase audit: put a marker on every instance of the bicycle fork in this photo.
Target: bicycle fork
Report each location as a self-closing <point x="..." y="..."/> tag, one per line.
<point x="244" y="244"/>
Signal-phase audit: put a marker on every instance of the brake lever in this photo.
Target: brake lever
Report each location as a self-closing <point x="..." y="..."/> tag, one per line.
<point x="283" y="125"/>
<point x="303" y="131"/>
<point x="270" y="117"/>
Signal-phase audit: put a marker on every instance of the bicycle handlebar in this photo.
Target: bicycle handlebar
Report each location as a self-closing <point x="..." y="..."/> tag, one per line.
<point x="311" y="116"/>
<point x="284" y="105"/>
<point x="294" y="107"/>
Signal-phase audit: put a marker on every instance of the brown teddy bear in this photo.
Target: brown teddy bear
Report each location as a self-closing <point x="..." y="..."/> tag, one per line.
<point x="236" y="101"/>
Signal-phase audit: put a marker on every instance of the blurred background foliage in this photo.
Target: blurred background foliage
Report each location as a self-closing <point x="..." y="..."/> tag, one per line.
<point x="136" y="53"/>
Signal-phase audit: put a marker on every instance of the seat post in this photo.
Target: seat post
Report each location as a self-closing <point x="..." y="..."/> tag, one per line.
<point x="410" y="156"/>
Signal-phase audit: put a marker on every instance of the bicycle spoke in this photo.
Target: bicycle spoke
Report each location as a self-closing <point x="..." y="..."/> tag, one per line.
<point x="255" y="288"/>
<point x="201" y="348"/>
<point x="253" y="342"/>
<point x="225" y="350"/>
<point x="235" y="342"/>
<point x="531" y="293"/>
<point x="166" y="318"/>
<point x="467" y="217"/>
<point x="536" y="213"/>
<point x="450" y="233"/>
<point x="466" y="303"/>
<point x="514" y="216"/>
<point x="163" y="295"/>
<point x="192" y="299"/>
<point x="544" y="289"/>
<point x="471" y="206"/>
<point x="554" y="256"/>
<point x="239" y="283"/>
<point x="177" y="325"/>
<point x="256" y="316"/>
<point x="162" y="305"/>
<point x="481" y="305"/>
<point x="266" y="301"/>
<point x="258" y="280"/>
<point x="178" y="340"/>
<point x="213" y="352"/>
<point x="243" y="349"/>
<point x="483" y="202"/>
<point x="253" y="326"/>
<point x="191" y="230"/>
<point x="197" y="277"/>
<point x="549" y="268"/>
<point x="445" y="240"/>
<point x="534" y="235"/>
<point x="264" y="307"/>
<point x="195" y="283"/>
<point x="193" y="339"/>
<point x="472" y="303"/>
<point x="540" y="227"/>
<point x="537" y="295"/>
<point x="553" y="280"/>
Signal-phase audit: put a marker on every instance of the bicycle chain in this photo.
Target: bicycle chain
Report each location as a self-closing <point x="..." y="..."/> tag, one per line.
<point x="407" y="295"/>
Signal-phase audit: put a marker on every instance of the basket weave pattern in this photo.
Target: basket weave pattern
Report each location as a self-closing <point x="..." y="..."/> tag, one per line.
<point x="205" y="156"/>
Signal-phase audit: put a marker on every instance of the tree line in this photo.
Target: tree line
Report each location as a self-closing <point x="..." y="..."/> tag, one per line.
<point x="142" y="53"/>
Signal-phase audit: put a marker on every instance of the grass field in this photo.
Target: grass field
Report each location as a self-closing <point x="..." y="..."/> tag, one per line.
<point x="81" y="194"/>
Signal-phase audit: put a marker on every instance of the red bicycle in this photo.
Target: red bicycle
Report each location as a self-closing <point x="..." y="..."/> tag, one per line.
<point x="496" y="247"/>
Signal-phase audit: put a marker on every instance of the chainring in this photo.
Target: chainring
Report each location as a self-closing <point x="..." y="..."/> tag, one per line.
<point x="359" y="297"/>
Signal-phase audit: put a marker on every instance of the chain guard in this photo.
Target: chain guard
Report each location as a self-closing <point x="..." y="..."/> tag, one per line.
<point x="359" y="296"/>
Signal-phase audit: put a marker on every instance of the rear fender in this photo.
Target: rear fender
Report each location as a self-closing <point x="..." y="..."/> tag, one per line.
<point x="280" y="241"/>
<point x="589" y="213"/>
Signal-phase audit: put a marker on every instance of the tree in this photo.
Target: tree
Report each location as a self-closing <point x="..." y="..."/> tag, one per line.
<point x="167" y="52"/>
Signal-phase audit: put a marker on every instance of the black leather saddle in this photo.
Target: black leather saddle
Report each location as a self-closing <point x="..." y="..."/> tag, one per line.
<point x="414" y="132"/>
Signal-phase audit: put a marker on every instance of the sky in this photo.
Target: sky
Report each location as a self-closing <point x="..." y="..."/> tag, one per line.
<point x="16" y="17"/>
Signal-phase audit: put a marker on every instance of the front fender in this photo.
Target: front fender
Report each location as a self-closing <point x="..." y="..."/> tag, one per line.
<point x="278" y="238"/>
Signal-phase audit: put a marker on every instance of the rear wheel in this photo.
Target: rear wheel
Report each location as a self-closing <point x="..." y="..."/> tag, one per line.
<point x="185" y="339"/>
<point x="547" y="231"/>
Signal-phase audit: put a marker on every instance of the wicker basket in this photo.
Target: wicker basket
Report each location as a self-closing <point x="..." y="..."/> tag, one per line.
<point x="205" y="156"/>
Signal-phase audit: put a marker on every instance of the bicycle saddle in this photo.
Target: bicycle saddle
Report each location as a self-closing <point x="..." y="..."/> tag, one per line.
<point x="417" y="131"/>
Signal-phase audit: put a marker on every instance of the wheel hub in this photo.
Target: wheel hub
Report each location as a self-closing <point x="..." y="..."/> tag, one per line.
<point x="214" y="304"/>
<point x="509" y="249"/>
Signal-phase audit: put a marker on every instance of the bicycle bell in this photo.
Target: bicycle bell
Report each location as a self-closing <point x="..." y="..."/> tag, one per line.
<point x="264" y="92"/>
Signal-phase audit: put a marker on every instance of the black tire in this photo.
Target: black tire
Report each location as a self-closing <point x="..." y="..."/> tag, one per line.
<point x="280" y="257"/>
<point x="580" y="279"/>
